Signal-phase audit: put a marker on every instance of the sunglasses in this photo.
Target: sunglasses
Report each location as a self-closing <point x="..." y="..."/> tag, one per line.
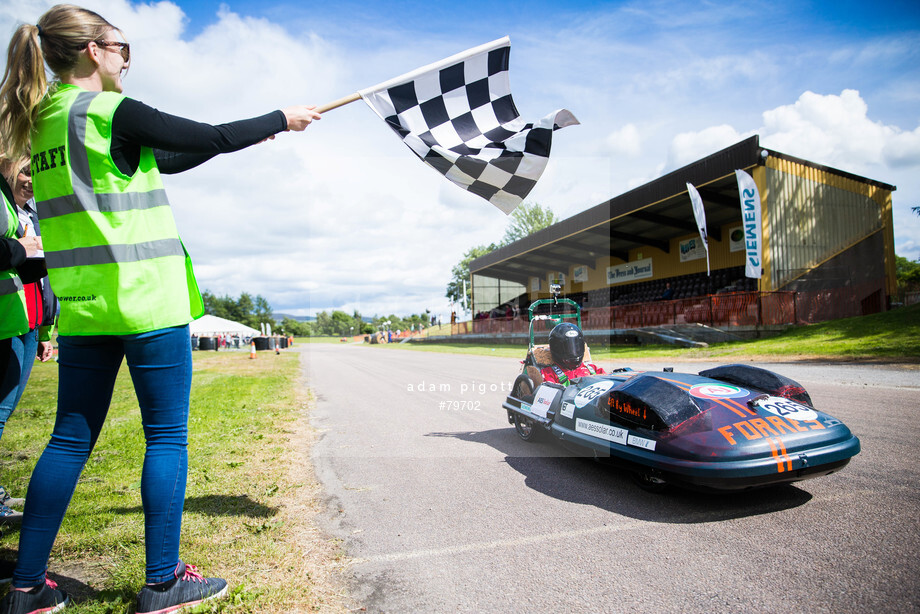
<point x="124" y="48"/>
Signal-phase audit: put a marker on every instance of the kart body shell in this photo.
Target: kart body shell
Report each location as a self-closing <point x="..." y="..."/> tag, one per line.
<point x="733" y="427"/>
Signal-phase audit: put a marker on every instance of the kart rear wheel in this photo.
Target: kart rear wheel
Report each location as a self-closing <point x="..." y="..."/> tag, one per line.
<point x="523" y="388"/>
<point x="527" y="429"/>
<point x="649" y="481"/>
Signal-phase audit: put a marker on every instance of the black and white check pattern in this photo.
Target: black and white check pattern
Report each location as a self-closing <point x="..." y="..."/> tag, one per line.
<point x="461" y="120"/>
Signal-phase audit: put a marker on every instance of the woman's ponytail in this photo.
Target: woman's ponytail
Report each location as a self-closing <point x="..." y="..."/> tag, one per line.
<point x="58" y="40"/>
<point x="24" y="84"/>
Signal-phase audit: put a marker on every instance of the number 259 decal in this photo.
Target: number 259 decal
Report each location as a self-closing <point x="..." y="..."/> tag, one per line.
<point x="787" y="408"/>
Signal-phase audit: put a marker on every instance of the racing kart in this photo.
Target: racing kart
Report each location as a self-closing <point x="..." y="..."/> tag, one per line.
<point x="729" y="428"/>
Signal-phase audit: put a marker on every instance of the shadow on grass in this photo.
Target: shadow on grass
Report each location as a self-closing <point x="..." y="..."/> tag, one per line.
<point x="115" y="599"/>
<point x="218" y="505"/>
<point x="76" y="578"/>
<point x="81" y="578"/>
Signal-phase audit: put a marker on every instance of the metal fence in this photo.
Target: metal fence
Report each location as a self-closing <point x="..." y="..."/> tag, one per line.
<point x="726" y="310"/>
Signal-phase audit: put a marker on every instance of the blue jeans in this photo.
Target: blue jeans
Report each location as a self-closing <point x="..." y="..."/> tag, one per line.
<point x="22" y="357"/>
<point x="161" y="369"/>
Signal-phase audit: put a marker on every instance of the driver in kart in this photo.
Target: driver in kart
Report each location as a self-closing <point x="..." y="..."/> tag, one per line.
<point x="567" y="347"/>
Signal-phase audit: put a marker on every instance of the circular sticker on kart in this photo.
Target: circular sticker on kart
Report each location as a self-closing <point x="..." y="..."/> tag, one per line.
<point x="787" y="408"/>
<point x="586" y="395"/>
<point x="717" y="391"/>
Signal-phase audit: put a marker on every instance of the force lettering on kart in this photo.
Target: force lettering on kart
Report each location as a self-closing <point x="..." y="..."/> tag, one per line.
<point x="787" y="408"/>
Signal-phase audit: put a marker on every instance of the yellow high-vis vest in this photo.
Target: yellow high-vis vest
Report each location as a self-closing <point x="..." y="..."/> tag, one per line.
<point x="114" y="256"/>
<point x="14" y="318"/>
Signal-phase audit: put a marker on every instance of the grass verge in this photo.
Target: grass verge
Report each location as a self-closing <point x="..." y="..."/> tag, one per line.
<point x="250" y="504"/>
<point x="892" y="336"/>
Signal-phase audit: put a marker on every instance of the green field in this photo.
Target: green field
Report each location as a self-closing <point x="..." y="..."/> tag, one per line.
<point x="893" y="336"/>
<point x="250" y="499"/>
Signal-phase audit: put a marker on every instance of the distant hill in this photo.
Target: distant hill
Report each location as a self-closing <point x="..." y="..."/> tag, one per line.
<point x="281" y="316"/>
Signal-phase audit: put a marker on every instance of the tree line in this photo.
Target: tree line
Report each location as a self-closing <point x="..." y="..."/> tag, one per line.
<point x="908" y="273"/>
<point x="255" y="311"/>
<point x="341" y="324"/>
<point x="248" y="310"/>
<point x="527" y="219"/>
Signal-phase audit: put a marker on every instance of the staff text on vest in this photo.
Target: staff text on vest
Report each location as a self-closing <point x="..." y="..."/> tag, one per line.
<point x="50" y="158"/>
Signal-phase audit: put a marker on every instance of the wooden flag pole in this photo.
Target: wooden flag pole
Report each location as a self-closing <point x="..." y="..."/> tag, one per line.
<point x="338" y="103"/>
<point x="418" y="71"/>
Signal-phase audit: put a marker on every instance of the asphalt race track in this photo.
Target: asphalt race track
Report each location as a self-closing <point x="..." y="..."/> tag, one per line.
<point x="444" y="509"/>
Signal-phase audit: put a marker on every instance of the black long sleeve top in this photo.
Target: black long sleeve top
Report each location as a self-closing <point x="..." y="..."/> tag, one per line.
<point x="178" y="143"/>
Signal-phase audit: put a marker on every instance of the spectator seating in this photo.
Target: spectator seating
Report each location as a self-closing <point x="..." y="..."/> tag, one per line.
<point x="684" y="286"/>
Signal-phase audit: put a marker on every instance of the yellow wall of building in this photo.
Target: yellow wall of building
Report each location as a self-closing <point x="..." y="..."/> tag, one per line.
<point x="809" y="216"/>
<point x="812" y="215"/>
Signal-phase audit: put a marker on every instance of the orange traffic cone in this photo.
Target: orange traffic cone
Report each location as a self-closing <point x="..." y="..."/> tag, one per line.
<point x="252" y="350"/>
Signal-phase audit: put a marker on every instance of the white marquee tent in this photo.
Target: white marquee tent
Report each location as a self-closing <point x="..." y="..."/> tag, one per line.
<point x="212" y="326"/>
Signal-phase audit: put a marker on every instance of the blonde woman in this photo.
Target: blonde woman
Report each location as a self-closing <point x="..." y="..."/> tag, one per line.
<point x="39" y="302"/>
<point x="122" y="275"/>
<point x="17" y="328"/>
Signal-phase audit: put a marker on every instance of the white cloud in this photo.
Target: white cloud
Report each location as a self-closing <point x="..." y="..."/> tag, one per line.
<point x="625" y="141"/>
<point x="690" y="146"/>
<point x="903" y="149"/>
<point x="875" y="53"/>
<point x="345" y="216"/>
<point x="828" y="129"/>
<point x="833" y="130"/>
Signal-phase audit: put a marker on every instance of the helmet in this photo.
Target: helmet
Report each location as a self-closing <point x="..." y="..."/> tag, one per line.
<point x="567" y="345"/>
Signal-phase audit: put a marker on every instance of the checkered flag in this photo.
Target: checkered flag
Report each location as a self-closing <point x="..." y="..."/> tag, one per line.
<point x="458" y="116"/>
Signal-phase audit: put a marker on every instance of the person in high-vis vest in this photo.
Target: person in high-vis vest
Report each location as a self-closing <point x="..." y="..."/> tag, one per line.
<point x="17" y="338"/>
<point x="567" y="347"/>
<point x="23" y="348"/>
<point x="122" y="275"/>
<point x="40" y="300"/>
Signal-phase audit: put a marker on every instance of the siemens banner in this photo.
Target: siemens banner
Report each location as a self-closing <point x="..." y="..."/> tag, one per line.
<point x="750" y="216"/>
<point x="631" y="271"/>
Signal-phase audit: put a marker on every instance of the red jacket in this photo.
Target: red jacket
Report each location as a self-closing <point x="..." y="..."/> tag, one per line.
<point x="34" y="304"/>
<point x="582" y="370"/>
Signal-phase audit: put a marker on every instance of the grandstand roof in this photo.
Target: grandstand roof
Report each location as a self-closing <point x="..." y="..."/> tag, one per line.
<point x="649" y="215"/>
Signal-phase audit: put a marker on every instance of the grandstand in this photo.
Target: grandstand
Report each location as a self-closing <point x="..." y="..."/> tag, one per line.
<point x="828" y="252"/>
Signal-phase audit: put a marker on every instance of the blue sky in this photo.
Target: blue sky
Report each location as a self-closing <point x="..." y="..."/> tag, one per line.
<point x="344" y="217"/>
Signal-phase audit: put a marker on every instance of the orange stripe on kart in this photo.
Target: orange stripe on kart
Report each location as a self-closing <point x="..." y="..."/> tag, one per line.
<point x="744" y="407"/>
<point x="679" y="383"/>
<point x="727" y="403"/>
<point x="785" y="454"/>
<point x="773" y="449"/>
<point x="731" y="406"/>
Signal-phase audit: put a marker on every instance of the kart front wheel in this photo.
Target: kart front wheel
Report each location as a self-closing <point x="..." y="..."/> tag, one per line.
<point x="522" y="388"/>
<point x="527" y="429"/>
